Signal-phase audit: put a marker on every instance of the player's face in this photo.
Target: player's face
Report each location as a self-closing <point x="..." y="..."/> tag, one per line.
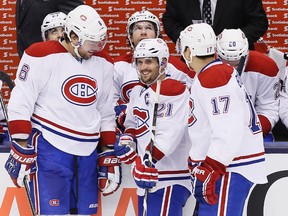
<point x="142" y="30"/>
<point x="148" y="69"/>
<point x="55" y="33"/>
<point x="89" y="47"/>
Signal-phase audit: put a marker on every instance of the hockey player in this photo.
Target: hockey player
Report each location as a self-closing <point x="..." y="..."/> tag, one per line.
<point x="260" y="76"/>
<point x="160" y="164"/>
<point x="141" y="25"/>
<point x="227" y="153"/>
<point x="284" y="100"/>
<point x="63" y="100"/>
<point x="52" y="27"/>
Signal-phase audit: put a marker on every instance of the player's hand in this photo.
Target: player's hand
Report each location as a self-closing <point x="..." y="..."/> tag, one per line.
<point x="21" y="162"/>
<point x="109" y="172"/>
<point x="120" y="110"/>
<point x="125" y="148"/>
<point x="144" y="176"/>
<point x="204" y="178"/>
<point x="120" y="107"/>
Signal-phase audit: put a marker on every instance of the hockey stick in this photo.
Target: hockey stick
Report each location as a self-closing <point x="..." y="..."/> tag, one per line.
<point x="241" y="65"/>
<point x="25" y="181"/>
<point x="6" y="79"/>
<point x="27" y="189"/>
<point x="155" y="112"/>
<point x="4" y="110"/>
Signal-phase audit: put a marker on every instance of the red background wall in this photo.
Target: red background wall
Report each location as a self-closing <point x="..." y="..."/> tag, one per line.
<point x="115" y="14"/>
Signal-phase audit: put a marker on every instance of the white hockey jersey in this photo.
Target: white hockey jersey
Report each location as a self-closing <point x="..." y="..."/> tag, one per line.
<point x="224" y="125"/>
<point x="171" y="137"/>
<point x="126" y="77"/>
<point x="283" y="111"/>
<point x="69" y="101"/>
<point x="261" y="80"/>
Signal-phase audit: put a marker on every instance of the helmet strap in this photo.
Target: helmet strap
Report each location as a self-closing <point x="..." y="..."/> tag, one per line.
<point x="188" y="62"/>
<point x="76" y="50"/>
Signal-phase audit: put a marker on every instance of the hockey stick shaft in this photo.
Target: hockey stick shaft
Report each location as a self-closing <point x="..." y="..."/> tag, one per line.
<point x="6" y="79"/>
<point x="241" y="65"/>
<point x="25" y="181"/>
<point x="4" y="110"/>
<point x="154" y="120"/>
<point x="153" y="132"/>
<point x="27" y="189"/>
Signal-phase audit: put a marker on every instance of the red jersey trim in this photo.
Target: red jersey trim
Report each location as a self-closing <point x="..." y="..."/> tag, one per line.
<point x="20" y="127"/>
<point x="216" y="76"/>
<point x="46" y="48"/>
<point x="261" y="63"/>
<point x="170" y="87"/>
<point x="265" y="124"/>
<point x="107" y="138"/>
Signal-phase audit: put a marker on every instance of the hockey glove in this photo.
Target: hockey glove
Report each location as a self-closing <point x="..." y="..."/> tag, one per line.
<point x="125" y="148"/>
<point x="144" y="176"/>
<point x="120" y="110"/>
<point x="204" y="177"/>
<point x="21" y="162"/>
<point x="109" y="172"/>
<point x="120" y="107"/>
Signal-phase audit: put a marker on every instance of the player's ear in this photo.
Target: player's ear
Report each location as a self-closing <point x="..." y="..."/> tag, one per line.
<point x="163" y="63"/>
<point x="187" y="54"/>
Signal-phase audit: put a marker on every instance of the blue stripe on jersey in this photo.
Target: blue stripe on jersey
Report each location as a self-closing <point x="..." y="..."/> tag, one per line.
<point x="64" y="135"/>
<point x="247" y="163"/>
<point x="174" y="178"/>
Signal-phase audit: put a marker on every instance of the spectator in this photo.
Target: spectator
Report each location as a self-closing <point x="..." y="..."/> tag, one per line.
<point x="61" y="109"/>
<point x="30" y="15"/>
<point x="160" y="136"/>
<point x="248" y="15"/>
<point x="260" y="76"/>
<point x="53" y="25"/>
<point x="227" y="154"/>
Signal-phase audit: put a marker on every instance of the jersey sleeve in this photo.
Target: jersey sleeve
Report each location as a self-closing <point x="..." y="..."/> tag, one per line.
<point x="129" y="123"/>
<point x="106" y="108"/>
<point x="32" y="75"/>
<point x="264" y="79"/>
<point x="267" y="101"/>
<point x="117" y="81"/>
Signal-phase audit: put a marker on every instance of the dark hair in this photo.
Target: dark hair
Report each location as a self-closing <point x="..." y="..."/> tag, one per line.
<point x="66" y="38"/>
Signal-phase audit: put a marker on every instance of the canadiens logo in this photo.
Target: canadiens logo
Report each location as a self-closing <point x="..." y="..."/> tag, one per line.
<point x="141" y="117"/>
<point x="54" y="202"/>
<point x="192" y="119"/>
<point x="24" y="72"/>
<point x="127" y="88"/>
<point x="80" y="90"/>
<point x="83" y="17"/>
